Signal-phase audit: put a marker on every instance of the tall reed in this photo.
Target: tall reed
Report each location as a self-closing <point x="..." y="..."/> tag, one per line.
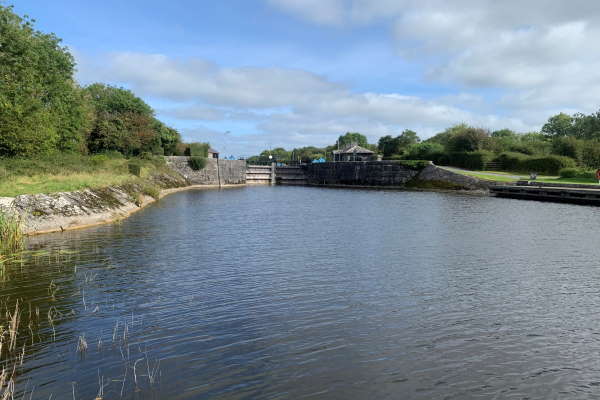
<point x="12" y="238"/>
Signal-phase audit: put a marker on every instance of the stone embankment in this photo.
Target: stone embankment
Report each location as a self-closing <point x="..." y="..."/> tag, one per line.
<point x="43" y="213"/>
<point x="389" y="174"/>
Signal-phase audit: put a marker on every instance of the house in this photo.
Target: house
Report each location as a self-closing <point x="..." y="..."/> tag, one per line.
<point x="354" y="153"/>
<point x="212" y="153"/>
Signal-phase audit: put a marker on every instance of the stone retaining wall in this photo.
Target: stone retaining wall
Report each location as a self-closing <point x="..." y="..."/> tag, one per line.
<point x="387" y="174"/>
<point x="229" y="172"/>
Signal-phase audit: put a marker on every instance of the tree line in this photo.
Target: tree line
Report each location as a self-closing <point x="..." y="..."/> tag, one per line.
<point x="43" y="110"/>
<point x="564" y="142"/>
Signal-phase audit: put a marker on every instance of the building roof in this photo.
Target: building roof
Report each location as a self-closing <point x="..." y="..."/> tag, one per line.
<point x="354" y="149"/>
<point x="211" y="150"/>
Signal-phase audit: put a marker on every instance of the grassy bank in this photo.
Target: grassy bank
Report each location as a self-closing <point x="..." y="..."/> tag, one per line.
<point x="69" y="172"/>
<point x="502" y="176"/>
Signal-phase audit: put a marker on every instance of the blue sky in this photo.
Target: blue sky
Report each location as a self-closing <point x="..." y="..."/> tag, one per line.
<point x="247" y="75"/>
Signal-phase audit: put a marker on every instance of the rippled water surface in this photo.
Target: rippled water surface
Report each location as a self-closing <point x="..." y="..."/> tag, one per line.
<point x="291" y="292"/>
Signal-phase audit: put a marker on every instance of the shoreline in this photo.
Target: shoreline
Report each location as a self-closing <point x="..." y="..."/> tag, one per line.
<point x="60" y="223"/>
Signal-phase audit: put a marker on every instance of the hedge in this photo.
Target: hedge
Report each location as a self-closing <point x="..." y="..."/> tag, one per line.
<point x="577" y="173"/>
<point x="550" y="165"/>
<point x="547" y="165"/>
<point x="475" y="160"/>
<point x="511" y="161"/>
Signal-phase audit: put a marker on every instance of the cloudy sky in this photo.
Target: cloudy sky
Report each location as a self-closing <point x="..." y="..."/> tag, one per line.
<point x="253" y="74"/>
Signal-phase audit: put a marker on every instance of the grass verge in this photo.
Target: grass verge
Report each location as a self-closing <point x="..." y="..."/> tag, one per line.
<point x="69" y="172"/>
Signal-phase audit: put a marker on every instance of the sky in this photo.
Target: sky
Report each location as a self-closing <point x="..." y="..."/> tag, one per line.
<point x="248" y="75"/>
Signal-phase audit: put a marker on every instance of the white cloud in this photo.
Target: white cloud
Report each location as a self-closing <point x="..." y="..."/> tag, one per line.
<point x="543" y="53"/>
<point x="289" y="107"/>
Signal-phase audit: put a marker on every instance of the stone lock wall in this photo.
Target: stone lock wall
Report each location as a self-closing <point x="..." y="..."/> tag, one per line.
<point x="231" y="172"/>
<point x="370" y="173"/>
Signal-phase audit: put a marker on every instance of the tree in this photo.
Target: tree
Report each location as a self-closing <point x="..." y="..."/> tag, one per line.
<point x="559" y="125"/>
<point x="41" y="109"/>
<point x="467" y="139"/>
<point x="123" y="122"/>
<point x="407" y="138"/>
<point x="388" y="146"/>
<point x="351" y="138"/>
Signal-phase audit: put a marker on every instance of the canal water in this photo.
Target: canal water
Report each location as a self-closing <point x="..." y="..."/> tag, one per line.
<point x="295" y="292"/>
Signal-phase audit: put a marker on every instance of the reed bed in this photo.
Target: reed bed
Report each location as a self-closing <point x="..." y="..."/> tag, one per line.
<point x="12" y="238"/>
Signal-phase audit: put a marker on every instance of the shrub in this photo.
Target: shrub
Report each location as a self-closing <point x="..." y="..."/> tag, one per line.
<point x="590" y="154"/>
<point x="98" y="159"/>
<point x="199" y="149"/>
<point x="423" y="151"/>
<point x="197" y="163"/>
<point x="152" y="191"/>
<point x="511" y="161"/>
<point x="135" y="168"/>
<point x="475" y="160"/>
<point x="547" y="164"/>
<point x="577" y="173"/>
<point x="414" y="164"/>
<point x="568" y="172"/>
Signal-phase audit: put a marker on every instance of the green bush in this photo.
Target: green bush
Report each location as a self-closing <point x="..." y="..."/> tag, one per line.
<point x="547" y="165"/>
<point x="577" y="173"/>
<point x="199" y="149"/>
<point x="135" y="168"/>
<point x="511" y="161"/>
<point x="475" y="160"/>
<point x="99" y="159"/>
<point x="590" y="154"/>
<point x="197" y="163"/>
<point x="152" y="191"/>
<point x="414" y="164"/>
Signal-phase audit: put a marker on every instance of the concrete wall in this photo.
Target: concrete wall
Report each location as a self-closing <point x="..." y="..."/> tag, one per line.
<point x="231" y="172"/>
<point x="370" y="173"/>
<point x="388" y="174"/>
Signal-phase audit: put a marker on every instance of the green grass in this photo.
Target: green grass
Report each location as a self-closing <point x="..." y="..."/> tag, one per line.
<point x="11" y="235"/>
<point x="506" y="177"/>
<point x="485" y="177"/>
<point x="68" y="172"/>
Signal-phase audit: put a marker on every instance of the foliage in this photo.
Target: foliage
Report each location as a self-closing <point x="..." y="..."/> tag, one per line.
<point x="547" y="164"/>
<point x="135" y="168"/>
<point x="351" y="138"/>
<point x="41" y="108"/>
<point x="590" y="154"/>
<point x="414" y="164"/>
<point x="11" y="234"/>
<point x="559" y="125"/>
<point x="197" y="163"/>
<point x="511" y="161"/>
<point x="123" y="122"/>
<point x="475" y="160"/>
<point x="567" y="146"/>
<point x="577" y="173"/>
<point x="424" y="151"/>
<point x="389" y="146"/>
<point x="467" y="139"/>
<point x="199" y="149"/>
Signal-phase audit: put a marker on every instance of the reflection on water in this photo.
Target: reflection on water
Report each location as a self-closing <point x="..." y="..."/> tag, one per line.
<point x="285" y="292"/>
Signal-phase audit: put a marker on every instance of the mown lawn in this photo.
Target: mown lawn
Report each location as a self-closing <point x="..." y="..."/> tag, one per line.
<point x="503" y="176"/>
